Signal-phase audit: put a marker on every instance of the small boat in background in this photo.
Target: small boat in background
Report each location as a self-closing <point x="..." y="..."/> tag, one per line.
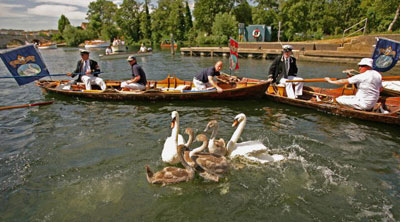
<point x="119" y="48"/>
<point x="167" y="43"/>
<point x="47" y="45"/>
<point x="96" y="44"/>
<point x="123" y="55"/>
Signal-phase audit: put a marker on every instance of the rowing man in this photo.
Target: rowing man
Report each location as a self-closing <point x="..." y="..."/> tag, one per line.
<point x="204" y="79"/>
<point x="369" y="84"/>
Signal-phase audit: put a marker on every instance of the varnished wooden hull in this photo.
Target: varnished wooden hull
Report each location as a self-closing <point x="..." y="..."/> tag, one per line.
<point x="246" y="88"/>
<point x="308" y="101"/>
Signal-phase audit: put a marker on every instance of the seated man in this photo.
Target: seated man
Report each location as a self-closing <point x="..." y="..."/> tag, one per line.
<point x="108" y="50"/>
<point x="143" y="48"/>
<point x="284" y="68"/>
<point x="138" y="81"/>
<point x="86" y="67"/>
<point x="204" y="79"/>
<point x="369" y="84"/>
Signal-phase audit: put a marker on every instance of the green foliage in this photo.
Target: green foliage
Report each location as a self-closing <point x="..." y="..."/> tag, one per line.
<point x="101" y="13"/>
<point x="74" y="36"/>
<point x="109" y="32"/>
<point x="188" y="18"/>
<point x="225" y="26"/>
<point x="62" y="22"/>
<point x="57" y="37"/>
<point x="243" y="12"/>
<point x="145" y="22"/>
<point x="168" y="19"/>
<point x="128" y="20"/>
<point x="95" y="25"/>
<point x="216" y="21"/>
<point x="206" y="10"/>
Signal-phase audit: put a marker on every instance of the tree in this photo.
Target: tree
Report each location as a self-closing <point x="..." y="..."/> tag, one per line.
<point x="295" y="19"/>
<point x="206" y="10"/>
<point x="95" y="25"/>
<point x="188" y="18"/>
<point x="128" y="20"/>
<point x="394" y="19"/>
<point x="101" y="13"/>
<point x="176" y="20"/>
<point x="243" y="12"/>
<point x="145" y="22"/>
<point x="168" y="18"/>
<point x="62" y="23"/>
<point x="74" y="36"/>
<point x="224" y="26"/>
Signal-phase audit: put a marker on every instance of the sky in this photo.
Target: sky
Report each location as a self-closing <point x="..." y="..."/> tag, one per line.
<point x="35" y="15"/>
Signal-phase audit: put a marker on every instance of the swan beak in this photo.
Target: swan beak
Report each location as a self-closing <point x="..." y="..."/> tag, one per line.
<point x="173" y="123"/>
<point x="235" y="123"/>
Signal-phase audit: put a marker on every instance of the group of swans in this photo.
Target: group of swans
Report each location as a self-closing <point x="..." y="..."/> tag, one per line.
<point x="210" y="165"/>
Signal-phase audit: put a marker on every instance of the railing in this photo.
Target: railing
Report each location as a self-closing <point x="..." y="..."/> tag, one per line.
<point x="365" y="21"/>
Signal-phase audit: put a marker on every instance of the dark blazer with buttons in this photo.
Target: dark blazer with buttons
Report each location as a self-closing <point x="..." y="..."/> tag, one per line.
<point x="94" y="67"/>
<point x="277" y="69"/>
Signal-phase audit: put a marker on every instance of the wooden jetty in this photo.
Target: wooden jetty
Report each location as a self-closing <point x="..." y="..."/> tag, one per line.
<point x="224" y="51"/>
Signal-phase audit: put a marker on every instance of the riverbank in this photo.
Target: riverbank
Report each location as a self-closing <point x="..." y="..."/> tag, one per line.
<point x="348" y="50"/>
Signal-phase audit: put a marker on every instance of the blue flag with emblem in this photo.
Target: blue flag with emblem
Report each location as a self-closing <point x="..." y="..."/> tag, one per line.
<point x="386" y="54"/>
<point x="25" y="64"/>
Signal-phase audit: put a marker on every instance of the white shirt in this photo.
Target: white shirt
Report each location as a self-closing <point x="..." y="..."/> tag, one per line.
<point x="86" y="66"/>
<point x="369" y="84"/>
<point x="108" y="51"/>
<point x="143" y="49"/>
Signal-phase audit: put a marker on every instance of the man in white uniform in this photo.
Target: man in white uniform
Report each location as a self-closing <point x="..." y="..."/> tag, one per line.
<point x="284" y="68"/>
<point x="88" y="70"/>
<point x="369" y="83"/>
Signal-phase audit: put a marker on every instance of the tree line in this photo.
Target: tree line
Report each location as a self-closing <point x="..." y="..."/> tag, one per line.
<point x="213" y="22"/>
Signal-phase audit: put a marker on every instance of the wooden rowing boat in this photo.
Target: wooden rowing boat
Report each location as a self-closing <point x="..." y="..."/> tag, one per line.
<point x="322" y="100"/>
<point x="170" y="88"/>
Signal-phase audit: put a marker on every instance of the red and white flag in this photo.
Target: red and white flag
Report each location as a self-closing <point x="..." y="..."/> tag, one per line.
<point x="234" y="58"/>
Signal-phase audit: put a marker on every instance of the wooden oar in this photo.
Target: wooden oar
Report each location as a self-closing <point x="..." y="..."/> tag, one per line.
<point x="385" y="78"/>
<point x="26" y="105"/>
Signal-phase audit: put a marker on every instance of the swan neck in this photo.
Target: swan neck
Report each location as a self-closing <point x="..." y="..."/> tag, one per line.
<point x="199" y="149"/>
<point x="239" y="130"/>
<point x="175" y="130"/>
<point x="214" y="132"/>
<point x="181" y="154"/>
<point x="190" y="140"/>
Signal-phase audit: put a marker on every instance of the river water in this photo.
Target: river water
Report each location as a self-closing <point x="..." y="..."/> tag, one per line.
<point x="83" y="160"/>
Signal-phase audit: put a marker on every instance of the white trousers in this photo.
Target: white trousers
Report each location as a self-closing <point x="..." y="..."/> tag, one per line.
<point x="355" y="102"/>
<point x="134" y="86"/>
<point x="289" y="87"/>
<point x="199" y="85"/>
<point x="89" y="80"/>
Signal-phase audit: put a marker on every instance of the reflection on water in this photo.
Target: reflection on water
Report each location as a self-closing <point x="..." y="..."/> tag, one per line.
<point x="83" y="160"/>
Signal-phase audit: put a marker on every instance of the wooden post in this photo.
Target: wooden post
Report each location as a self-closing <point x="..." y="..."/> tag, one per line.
<point x="172" y="45"/>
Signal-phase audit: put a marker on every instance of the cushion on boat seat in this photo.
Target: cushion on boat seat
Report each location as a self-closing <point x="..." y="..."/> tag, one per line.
<point x="179" y="88"/>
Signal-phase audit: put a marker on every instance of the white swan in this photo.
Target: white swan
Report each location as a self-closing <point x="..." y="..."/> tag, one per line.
<point x="251" y="150"/>
<point x="215" y="146"/>
<point x="169" y="153"/>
